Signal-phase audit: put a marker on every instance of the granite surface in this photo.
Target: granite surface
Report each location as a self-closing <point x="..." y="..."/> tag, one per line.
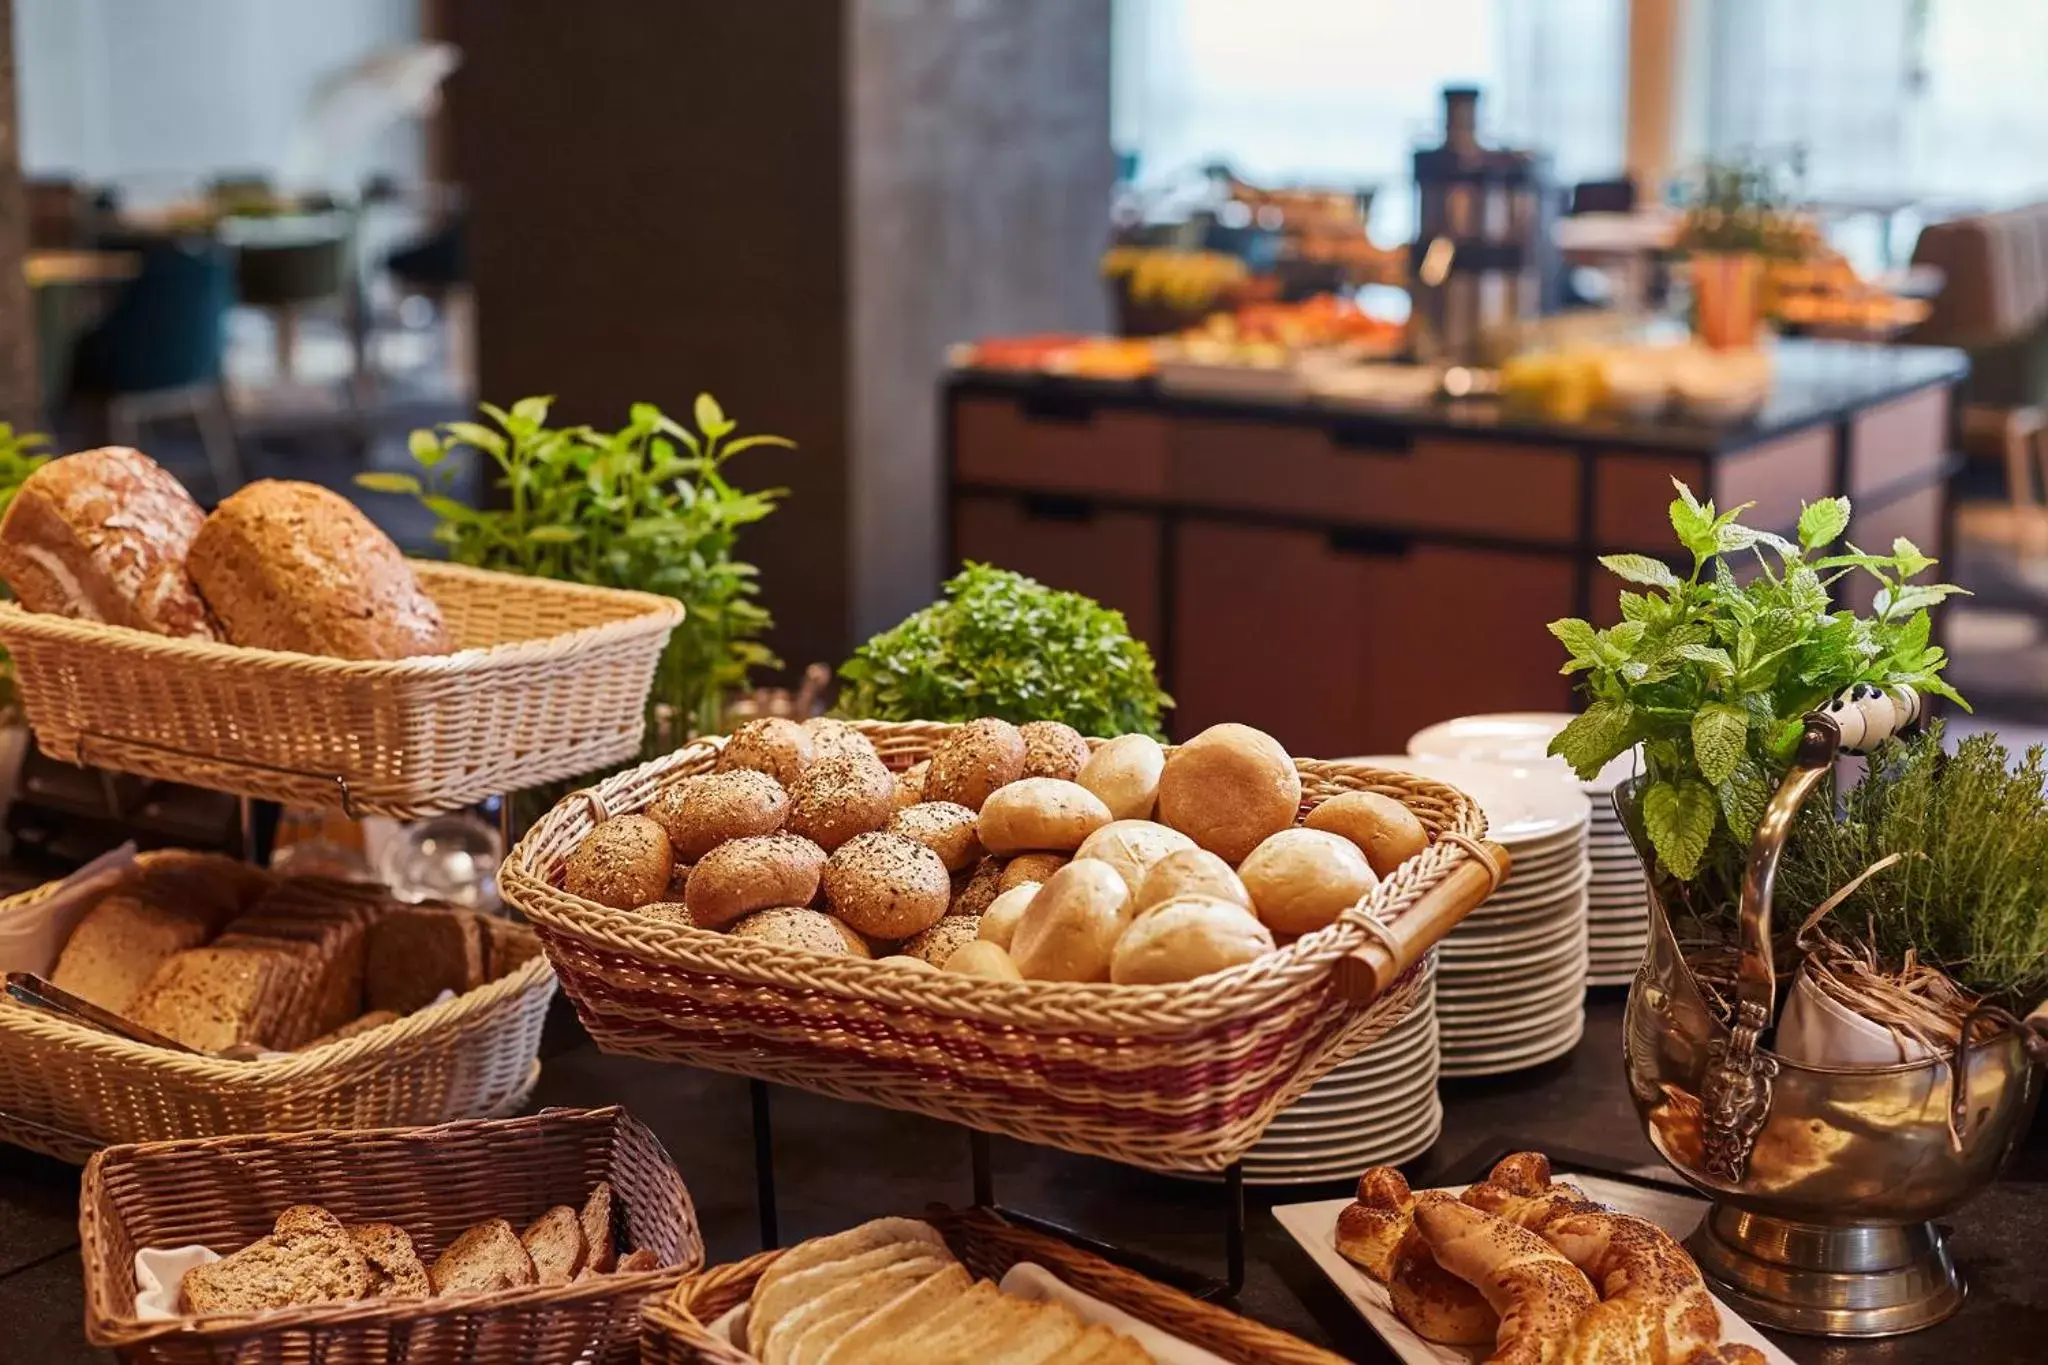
<point x="839" y="1163"/>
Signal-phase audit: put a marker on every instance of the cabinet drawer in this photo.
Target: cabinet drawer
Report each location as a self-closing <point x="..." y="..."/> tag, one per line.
<point x="1113" y="557"/>
<point x="1060" y="445"/>
<point x="1378" y="473"/>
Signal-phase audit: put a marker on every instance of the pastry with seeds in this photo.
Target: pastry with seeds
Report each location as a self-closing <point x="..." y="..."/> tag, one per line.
<point x="832" y="738"/>
<point x="936" y="944"/>
<point x="1052" y="749"/>
<point x="791" y="926"/>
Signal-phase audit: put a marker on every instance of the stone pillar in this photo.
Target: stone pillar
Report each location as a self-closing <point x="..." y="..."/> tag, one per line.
<point x="18" y="399"/>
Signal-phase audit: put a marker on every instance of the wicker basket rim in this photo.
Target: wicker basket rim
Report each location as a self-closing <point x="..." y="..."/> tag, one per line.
<point x="653" y="612"/>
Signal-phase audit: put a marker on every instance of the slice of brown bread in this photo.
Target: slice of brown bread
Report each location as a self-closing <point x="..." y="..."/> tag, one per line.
<point x="637" y="1262"/>
<point x="323" y="923"/>
<point x="486" y="1258"/>
<point x="212" y="998"/>
<point x="416" y="952"/>
<point x="597" y="1216"/>
<point x="307" y="1259"/>
<point x="555" y="1242"/>
<point x="395" y="1267"/>
<point x="507" y="946"/>
<point x="118" y="944"/>
<point x="210" y="884"/>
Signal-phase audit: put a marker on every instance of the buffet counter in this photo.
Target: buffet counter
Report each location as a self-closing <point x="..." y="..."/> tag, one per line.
<point x="1284" y="557"/>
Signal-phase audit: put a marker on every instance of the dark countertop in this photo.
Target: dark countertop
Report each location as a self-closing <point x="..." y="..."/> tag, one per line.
<point x="1817" y="382"/>
<point x="838" y="1164"/>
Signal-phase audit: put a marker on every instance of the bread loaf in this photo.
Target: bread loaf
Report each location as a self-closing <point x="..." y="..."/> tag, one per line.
<point x="1124" y="772"/>
<point x="104" y="535"/>
<point x="297" y="567"/>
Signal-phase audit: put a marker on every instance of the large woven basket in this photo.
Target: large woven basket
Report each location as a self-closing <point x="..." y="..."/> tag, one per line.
<point x="1173" y="1078"/>
<point x="433" y="1182"/>
<point x="675" y="1327"/>
<point x="68" y="1090"/>
<point x="550" y="681"/>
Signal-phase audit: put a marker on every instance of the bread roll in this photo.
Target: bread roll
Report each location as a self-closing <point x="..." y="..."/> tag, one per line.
<point x="936" y="944"/>
<point x="999" y="924"/>
<point x="294" y="566"/>
<point x="974" y="891"/>
<point x="910" y="784"/>
<point x="103" y="535"/>
<point x="791" y="926"/>
<point x="746" y="875"/>
<point x="773" y="745"/>
<point x="623" y="863"/>
<point x="978" y="958"/>
<point x="839" y="796"/>
<point x="1071" y="927"/>
<point x="831" y="738"/>
<point x="887" y="886"/>
<point x="1187" y="937"/>
<point x="1386" y="831"/>
<point x="1124" y="772"/>
<point x="1228" y="788"/>
<point x="1190" y="872"/>
<point x="1030" y="867"/>
<point x="1132" y="847"/>
<point x="700" y="813"/>
<point x="1041" y="813"/>
<point x="944" y="828"/>
<point x="974" y="761"/>
<point x="1302" y="879"/>
<point x="904" y="960"/>
<point x="1053" y="750"/>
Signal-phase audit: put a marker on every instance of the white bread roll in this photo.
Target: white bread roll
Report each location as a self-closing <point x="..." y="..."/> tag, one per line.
<point x="1132" y="847"/>
<point x="1124" y="772"/>
<point x="1187" y="937"/>
<point x="1228" y="788"/>
<point x="1387" y="831"/>
<point x="1190" y="872"/>
<point x="916" y="964"/>
<point x="998" y="924"/>
<point x="979" y="957"/>
<point x="1040" y="813"/>
<point x="1302" y="879"/>
<point x="1070" y="929"/>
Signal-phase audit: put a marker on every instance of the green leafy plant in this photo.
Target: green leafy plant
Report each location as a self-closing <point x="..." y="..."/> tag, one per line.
<point x="1711" y="673"/>
<point x="21" y="454"/>
<point x="1737" y="207"/>
<point x="1000" y="644"/>
<point x="647" y="506"/>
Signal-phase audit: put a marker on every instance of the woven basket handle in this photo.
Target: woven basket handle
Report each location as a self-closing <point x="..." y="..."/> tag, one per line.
<point x="1365" y="972"/>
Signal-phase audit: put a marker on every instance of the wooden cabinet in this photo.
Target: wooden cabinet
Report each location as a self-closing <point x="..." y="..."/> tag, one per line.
<point x="1113" y="557"/>
<point x="1059" y="444"/>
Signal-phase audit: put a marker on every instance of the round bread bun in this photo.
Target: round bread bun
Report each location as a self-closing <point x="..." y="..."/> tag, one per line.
<point x="1387" y="831"/>
<point x="746" y="875"/>
<point x="1071" y="927"/>
<point x="973" y="892"/>
<point x="999" y="923"/>
<point x="1187" y="937"/>
<point x="910" y="784"/>
<point x="832" y="738"/>
<point x="1132" y="847"/>
<point x="1124" y="772"/>
<point x="1041" y="813"/>
<point x="936" y="944"/>
<point x="944" y="828"/>
<point x="700" y="813"/>
<point x="839" y="797"/>
<point x="623" y="863"/>
<point x="983" y="959"/>
<point x="1052" y="749"/>
<point x="791" y="926"/>
<point x="1190" y="872"/>
<point x="973" y="761"/>
<point x="1302" y="879"/>
<point x="1228" y="788"/>
<point x="1030" y="867"/>
<point x="887" y="886"/>
<point x="899" y="960"/>
<point x="671" y="912"/>
<point x="774" y="745"/>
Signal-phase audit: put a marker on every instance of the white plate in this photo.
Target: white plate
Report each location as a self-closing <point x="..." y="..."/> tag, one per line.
<point x="1467" y="950"/>
<point x="1565" y="884"/>
<point x="1315" y="1112"/>
<point x="1523" y="804"/>
<point x="1540" y="1003"/>
<point x="1315" y="1227"/>
<point x="1464" y="1042"/>
<point x="1513" y="737"/>
<point x="1521" y="972"/>
<point x="1520" y="1057"/>
<point x="1384" y="1150"/>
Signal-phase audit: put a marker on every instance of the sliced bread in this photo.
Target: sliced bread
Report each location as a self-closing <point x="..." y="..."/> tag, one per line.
<point x="882" y="1329"/>
<point x="212" y="885"/>
<point x="507" y="946"/>
<point x="555" y="1242"/>
<point x="486" y="1258"/>
<point x="637" y="1262"/>
<point x="853" y="1241"/>
<point x="771" y="1303"/>
<point x="1101" y="1345"/>
<point x="416" y="952"/>
<point x="395" y="1267"/>
<point x="213" y="998"/>
<point x="600" y="1247"/>
<point x="117" y="946"/>
<point x="307" y="1259"/>
<point x="973" y="1337"/>
<point x="837" y="1306"/>
<point x="1049" y="1329"/>
<point x="915" y="1342"/>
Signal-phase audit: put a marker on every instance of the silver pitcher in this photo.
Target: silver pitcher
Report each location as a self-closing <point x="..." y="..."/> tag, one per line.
<point x="1824" y="1180"/>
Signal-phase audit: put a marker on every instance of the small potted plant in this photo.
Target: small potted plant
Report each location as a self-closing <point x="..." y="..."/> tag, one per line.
<point x="21" y="454"/>
<point x="1736" y="219"/>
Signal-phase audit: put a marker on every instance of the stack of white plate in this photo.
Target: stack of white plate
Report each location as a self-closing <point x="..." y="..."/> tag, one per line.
<point x="1380" y="1108"/>
<point x="1511" y="979"/>
<point x="1618" y="908"/>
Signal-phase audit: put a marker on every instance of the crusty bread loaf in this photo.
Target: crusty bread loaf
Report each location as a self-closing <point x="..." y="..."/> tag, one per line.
<point x="103" y="535"/>
<point x="307" y="1259"/>
<point x="555" y="1244"/>
<point x="484" y="1259"/>
<point x="395" y="1267"/>
<point x="294" y="566"/>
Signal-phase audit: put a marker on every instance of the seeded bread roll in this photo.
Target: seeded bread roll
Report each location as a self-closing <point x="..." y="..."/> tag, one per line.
<point x="1187" y="937"/>
<point x="1387" y="831"/>
<point x="814" y="931"/>
<point x="974" y="761"/>
<point x="1302" y="879"/>
<point x="1071" y="927"/>
<point x="1053" y="750"/>
<point x="1030" y="867"/>
<point x="999" y="924"/>
<point x="839" y="796"/>
<point x="295" y="566"/>
<point x="1041" y="813"/>
<point x="1132" y="847"/>
<point x="944" y="828"/>
<point x="1124" y="772"/>
<point x="981" y="958"/>
<point x="746" y="875"/>
<point x="832" y="738"/>
<point x="910" y="784"/>
<point x="700" y="813"/>
<point x="1228" y="788"/>
<point x="974" y="892"/>
<point x="622" y="863"/>
<point x="936" y="944"/>
<point x="1190" y="872"/>
<point x="887" y="886"/>
<point x="670" y="912"/>
<point x="773" y="745"/>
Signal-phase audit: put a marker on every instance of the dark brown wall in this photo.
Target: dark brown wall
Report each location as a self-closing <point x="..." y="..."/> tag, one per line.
<point x="17" y="316"/>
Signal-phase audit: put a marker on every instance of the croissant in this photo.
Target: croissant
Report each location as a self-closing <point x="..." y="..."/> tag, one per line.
<point x="1538" y="1294"/>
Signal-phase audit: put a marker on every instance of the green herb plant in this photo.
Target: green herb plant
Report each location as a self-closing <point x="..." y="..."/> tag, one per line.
<point x="1000" y="644"/>
<point x="1711" y="672"/>
<point x="21" y="454"/>
<point x="647" y="507"/>
<point x="1737" y="208"/>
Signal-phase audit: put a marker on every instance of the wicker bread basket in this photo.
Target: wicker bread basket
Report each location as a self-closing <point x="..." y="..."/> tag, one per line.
<point x="68" y="1090"/>
<point x="674" y="1328"/>
<point x="550" y="681"/>
<point x="432" y="1182"/>
<point x="1173" y="1078"/>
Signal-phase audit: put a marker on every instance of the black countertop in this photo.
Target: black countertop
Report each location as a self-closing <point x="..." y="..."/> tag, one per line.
<point x="1816" y="382"/>
<point x="838" y="1164"/>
